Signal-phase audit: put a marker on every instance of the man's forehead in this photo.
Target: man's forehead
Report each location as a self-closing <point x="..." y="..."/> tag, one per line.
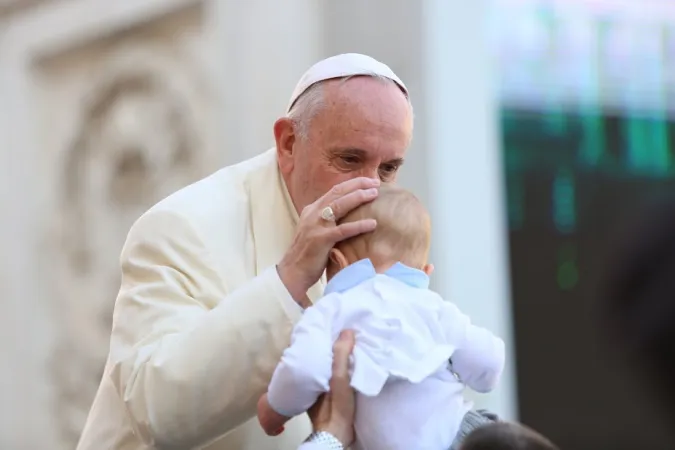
<point x="375" y="121"/>
<point x="365" y="107"/>
<point x="360" y="90"/>
<point x="388" y="155"/>
<point x="363" y="129"/>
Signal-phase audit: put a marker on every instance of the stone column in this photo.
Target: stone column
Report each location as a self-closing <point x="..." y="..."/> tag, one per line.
<point x="465" y="174"/>
<point x="263" y="49"/>
<point x="25" y="326"/>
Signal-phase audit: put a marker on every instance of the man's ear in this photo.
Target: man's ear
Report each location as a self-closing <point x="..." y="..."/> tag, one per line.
<point x="284" y="137"/>
<point x="338" y="258"/>
<point x="428" y="269"/>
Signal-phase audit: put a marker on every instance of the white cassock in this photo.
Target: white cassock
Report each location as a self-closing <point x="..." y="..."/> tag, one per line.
<point x="201" y="319"/>
<point x="405" y="335"/>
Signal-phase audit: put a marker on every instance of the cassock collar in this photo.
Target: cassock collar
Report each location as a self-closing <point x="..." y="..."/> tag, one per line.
<point x="287" y="198"/>
<point x="273" y="216"/>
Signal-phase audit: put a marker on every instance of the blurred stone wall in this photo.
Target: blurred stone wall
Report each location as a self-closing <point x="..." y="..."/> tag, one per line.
<point x="107" y="107"/>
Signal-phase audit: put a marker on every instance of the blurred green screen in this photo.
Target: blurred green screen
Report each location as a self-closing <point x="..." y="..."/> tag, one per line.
<point x="587" y="130"/>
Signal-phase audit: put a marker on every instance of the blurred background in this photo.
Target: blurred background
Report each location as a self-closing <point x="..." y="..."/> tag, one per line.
<point x="540" y="126"/>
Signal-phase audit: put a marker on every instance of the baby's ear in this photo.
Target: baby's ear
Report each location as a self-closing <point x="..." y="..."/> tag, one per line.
<point x="338" y="258"/>
<point x="428" y="269"/>
<point x="332" y="256"/>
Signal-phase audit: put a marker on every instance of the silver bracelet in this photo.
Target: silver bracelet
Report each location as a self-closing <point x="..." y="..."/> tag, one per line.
<point x="328" y="440"/>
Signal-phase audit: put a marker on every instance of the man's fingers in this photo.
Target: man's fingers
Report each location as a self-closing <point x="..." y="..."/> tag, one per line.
<point x="346" y="187"/>
<point x="342" y="349"/>
<point x="351" y="229"/>
<point x="343" y="205"/>
<point x="317" y="407"/>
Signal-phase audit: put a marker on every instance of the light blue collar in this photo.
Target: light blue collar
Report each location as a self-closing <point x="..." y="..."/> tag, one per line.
<point x="361" y="271"/>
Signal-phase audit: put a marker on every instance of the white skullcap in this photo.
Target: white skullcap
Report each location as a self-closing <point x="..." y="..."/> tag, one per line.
<point x="342" y="66"/>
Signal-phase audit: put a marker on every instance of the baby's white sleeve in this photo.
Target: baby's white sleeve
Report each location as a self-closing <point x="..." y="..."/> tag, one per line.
<point x="305" y="368"/>
<point x="479" y="357"/>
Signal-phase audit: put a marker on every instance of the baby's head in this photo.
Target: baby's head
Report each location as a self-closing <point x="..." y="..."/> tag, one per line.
<point x="506" y="436"/>
<point x="403" y="233"/>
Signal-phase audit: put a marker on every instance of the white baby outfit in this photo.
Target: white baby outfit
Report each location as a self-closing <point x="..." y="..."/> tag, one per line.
<point x="409" y="393"/>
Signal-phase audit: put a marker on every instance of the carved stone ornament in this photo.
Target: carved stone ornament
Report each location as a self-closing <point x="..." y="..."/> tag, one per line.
<point x="136" y="143"/>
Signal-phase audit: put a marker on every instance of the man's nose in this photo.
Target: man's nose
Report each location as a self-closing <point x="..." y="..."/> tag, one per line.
<point x="370" y="172"/>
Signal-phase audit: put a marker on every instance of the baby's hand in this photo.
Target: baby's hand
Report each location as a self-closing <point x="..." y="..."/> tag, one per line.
<point x="270" y="420"/>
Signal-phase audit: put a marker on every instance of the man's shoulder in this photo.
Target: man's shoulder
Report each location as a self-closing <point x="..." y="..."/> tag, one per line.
<point x="216" y="200"/>
<point x="210" y="196"/>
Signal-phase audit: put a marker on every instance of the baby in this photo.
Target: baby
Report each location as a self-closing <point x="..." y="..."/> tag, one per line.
<point x="414" y="352"/>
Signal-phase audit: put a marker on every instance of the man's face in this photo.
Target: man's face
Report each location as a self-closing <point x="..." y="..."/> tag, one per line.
<point x="363" y="129"/>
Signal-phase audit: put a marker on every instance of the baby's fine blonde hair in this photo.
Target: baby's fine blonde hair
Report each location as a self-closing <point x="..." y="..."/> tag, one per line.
<point x="403" y="231"/>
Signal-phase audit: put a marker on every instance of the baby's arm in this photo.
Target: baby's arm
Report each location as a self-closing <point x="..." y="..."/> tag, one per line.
<point x="479" y="357"/>
<point x="270" y="420"/>
<point x="305" y="368"/>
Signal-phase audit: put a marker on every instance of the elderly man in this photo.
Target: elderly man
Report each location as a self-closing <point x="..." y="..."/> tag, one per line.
<point x="215" y="276"/>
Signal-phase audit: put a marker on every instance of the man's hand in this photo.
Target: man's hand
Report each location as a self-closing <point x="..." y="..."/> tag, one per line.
<point x="334" y="411"/>
<point x="306" y="259"/>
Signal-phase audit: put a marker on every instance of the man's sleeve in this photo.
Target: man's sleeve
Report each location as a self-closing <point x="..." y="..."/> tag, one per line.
<point x="305" y="367"/>
<point x="189" y="368"/>
<point x="480" y="356"/>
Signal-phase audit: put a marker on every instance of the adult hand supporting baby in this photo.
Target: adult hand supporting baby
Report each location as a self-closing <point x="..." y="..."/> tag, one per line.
<point x="334" y="412"/>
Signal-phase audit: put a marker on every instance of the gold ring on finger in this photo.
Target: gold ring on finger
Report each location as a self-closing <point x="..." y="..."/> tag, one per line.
<point x="327" y="214"/>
